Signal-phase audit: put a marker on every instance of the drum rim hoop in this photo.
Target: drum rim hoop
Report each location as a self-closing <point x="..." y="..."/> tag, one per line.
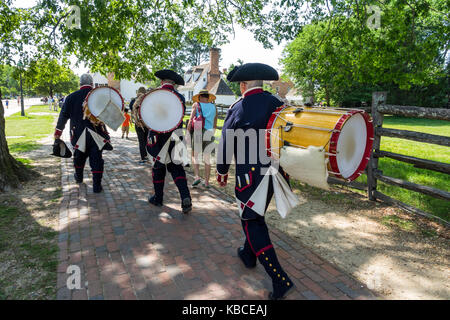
<point x="90" y="92"/>
<point x="145" y="96"/>
<point x="335" y="137"/>
<point x="269" y="127"/>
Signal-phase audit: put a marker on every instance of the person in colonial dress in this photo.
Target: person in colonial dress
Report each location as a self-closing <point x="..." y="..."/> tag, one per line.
<point x="88" y="139"/>
<point x="254" y="187"/>
<point x="157" y="148"/>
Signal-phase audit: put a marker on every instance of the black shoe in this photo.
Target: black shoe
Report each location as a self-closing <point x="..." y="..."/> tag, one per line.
<point x="98" y="188"/>
<point x="186" y="205"/>
<point x="78" y="179"/>
<point x="155" y="201"/>
<point x="247" y="262"/>
<point x="281" y="290"/>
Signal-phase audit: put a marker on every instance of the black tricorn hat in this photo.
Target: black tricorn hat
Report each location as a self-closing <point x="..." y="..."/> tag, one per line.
<point x="170" y="75"/>
<point x="60" y="149"/>
<point x="254" y="71"/>
<point x="231" y="73"/>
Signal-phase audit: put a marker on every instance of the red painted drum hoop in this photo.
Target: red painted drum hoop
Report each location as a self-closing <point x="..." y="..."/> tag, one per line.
<point x="335" y="137"/>
<point x="269" y="128"/>
<point x="145" y="96"/>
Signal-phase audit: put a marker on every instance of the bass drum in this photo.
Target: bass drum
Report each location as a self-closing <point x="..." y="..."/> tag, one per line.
<point x="104" y="105"/>
<point x="161" y="110"/>
<point x="346" y="136"/>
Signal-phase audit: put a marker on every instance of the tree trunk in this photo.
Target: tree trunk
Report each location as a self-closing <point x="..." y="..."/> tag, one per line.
<point x="12" y="172"/>
<point x="327" y="96"/>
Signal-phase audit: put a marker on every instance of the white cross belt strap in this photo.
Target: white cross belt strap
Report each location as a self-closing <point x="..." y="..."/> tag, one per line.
<point x="163" y="155"/>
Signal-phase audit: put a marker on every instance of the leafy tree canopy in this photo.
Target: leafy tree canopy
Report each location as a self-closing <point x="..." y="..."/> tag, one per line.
<point x="234" y="86"/>
<point x="8" y="84"/>
<point x="134" y="38"/>
<point x="340" y="58"/>
<point x="48" y="77"/>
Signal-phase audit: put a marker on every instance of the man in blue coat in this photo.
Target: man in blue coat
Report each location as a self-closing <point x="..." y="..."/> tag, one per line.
<point x="247" y="117"/>
<point x="156" y="142"/>
<point x="84" y="136"/>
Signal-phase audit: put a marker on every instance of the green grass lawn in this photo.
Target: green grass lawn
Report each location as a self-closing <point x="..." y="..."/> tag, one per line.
<point x="29" y="128"/>
<point x="405" y="171"/>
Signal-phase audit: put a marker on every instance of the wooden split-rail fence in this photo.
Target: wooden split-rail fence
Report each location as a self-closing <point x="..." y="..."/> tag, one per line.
<point x="374" y="174"/>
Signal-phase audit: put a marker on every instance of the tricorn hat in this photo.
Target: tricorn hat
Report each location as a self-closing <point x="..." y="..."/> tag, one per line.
<point x="211" y="97"/>
<point x="170" y="75"/>
<point x="231" y="73"/>
<point x="254" y="71"/>
<point x="60" y="149"/>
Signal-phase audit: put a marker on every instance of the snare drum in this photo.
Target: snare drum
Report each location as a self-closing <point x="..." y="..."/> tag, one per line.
<point x="346" y="136"/>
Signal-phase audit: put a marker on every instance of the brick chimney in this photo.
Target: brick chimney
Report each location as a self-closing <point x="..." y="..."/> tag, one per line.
<point x="214" y="72"/>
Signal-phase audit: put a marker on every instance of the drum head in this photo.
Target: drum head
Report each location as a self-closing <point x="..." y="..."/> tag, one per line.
<point x="351" y="145"/>
<point x="99" y="97"/>
<point x="161" y="110"/>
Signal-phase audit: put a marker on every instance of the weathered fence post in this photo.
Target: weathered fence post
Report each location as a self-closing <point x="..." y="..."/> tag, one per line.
<point x="378" y="98"/>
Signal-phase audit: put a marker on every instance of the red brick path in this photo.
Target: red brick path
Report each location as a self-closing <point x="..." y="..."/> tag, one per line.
<point x="128" y="249"/>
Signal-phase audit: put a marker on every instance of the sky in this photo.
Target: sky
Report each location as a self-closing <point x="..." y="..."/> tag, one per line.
<point x="243" y="46"/>
<point x="246" y="48"/>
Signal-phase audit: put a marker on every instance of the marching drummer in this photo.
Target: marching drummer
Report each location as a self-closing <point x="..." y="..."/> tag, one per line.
<point x="141" y="130"/>
<point x="252" y="112"/>
<point x="155" y="147"/>
<point x="89" y="140"/>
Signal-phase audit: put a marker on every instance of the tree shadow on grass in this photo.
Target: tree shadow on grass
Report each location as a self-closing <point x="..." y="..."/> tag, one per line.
<point x="28" y="247"/>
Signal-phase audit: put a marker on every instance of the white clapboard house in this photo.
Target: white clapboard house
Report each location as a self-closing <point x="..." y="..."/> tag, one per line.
<point x="208" y="76"/>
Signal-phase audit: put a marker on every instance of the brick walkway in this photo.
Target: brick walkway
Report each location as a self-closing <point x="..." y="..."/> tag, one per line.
<point x="128" y="249"/>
